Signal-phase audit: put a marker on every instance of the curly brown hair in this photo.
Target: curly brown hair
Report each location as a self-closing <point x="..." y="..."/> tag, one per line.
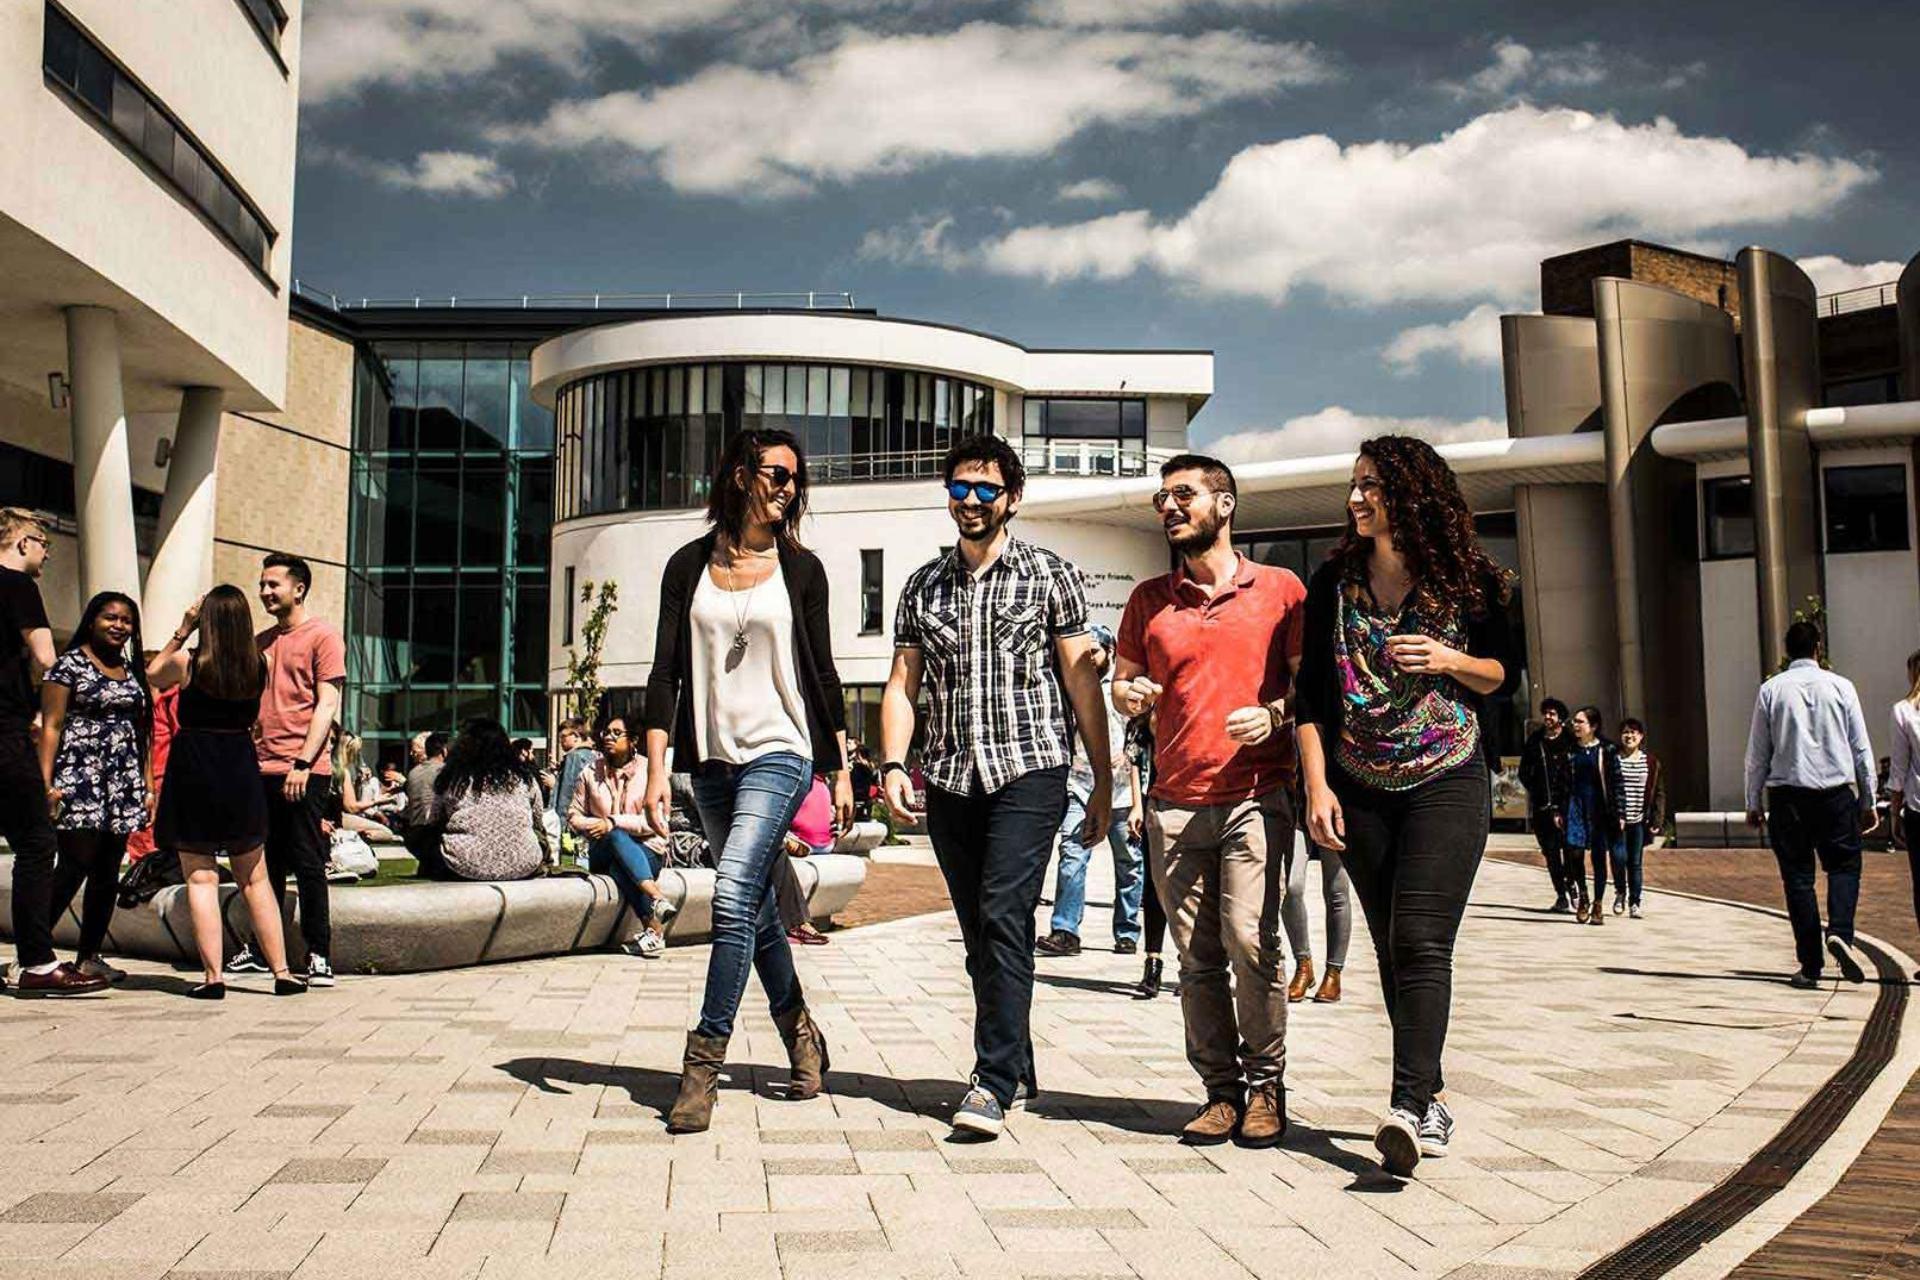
<point x="1432" y="527"/>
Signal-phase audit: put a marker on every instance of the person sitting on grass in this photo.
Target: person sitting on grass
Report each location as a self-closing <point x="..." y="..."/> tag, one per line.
<point x="608" y="809"/>
<point x="486" y="803"/>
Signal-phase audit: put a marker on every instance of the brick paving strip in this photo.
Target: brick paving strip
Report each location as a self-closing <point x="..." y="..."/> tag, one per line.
<point x="1868" y="1225"/>
<point x="504" y="1122"/>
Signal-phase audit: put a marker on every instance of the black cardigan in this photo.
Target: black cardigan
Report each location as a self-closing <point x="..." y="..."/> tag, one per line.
<point x="672" y="673"/>
<point x="1316" y="696"/>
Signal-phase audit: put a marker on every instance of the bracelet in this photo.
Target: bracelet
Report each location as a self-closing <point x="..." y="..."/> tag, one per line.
<point x="890" y="766"/>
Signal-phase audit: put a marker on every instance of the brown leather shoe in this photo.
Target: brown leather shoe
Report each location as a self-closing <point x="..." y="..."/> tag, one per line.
<point x="1302" y="981"/>
<point x="1213" y="1124"/>
<point x="63" y="980"/>
<point x="1596" y="915"/>
<point x="699" y="1084"/>
<point x="1265" y="1121"/>
<point x="806" y="1052"/>
<point x="1329" y="992"/>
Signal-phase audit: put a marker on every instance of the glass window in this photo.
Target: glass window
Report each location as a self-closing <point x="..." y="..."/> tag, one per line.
<point x="871" y="589"/>
<point x="480" y="632"/>
<point x="437" y="512"/>
<point x="60" y="50"/>
<point x="532" y="423"/>
<point x="530" y="630"/>
<point x="1727" y="507"/>
<point x="569" y="598"/>
<point x="483" y="512"/>
<point x="94" y="80"/>
<point x="432" y="649"/>
<point x="1133" y="419"/>
<point x="1866" y="508"/>
<point x="715" y="399"/>
<point x="754" y="403"/>
<point x="129" y="111"/>
<point x="533" y="513"/>
<point x="158" y="138"/>
<point x="440" y="425"/>
<point x="381" y="644"/>
<point x="487" y="402"/>
<point x="775" y="400"/>
<point x="858" y="399"/>
<point x="817" y="395"/>
<point x="402" y="363"/>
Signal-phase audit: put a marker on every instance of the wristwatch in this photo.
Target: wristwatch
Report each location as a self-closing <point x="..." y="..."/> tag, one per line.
<point x="890" y="766"/>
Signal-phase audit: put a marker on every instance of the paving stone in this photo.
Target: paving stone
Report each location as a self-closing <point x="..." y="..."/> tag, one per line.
<point x="491" y="1206"/>
<point x="329" y="1170"/>
<point x="54" y="1206"/>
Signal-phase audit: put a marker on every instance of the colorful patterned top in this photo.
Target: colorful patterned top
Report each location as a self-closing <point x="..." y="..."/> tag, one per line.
<point x="1400" y="728"/>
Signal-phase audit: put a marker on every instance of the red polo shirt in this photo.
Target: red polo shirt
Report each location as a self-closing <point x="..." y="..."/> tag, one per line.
<point x="1212" y="657"/>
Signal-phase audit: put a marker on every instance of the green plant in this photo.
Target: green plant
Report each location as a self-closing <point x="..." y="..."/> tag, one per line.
<point x="1813" y="610"/>
<point x="583" y="665"/>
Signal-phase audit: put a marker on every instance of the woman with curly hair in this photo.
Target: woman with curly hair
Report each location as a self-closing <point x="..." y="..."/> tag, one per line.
<point x="1406" y="637"/>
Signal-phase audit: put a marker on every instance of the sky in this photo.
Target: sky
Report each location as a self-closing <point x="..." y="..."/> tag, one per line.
<point x="1337" y="197"/>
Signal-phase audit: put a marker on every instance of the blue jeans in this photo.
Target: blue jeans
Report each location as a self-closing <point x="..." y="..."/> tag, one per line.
<point x="630" y="863"/>
<point x="1628" y="849"/>
<point x="746" y="811"/>
<point x="1070" y="886"/>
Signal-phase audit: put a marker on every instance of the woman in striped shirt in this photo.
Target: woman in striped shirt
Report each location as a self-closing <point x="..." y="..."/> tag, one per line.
<point x="1643" y="813"/>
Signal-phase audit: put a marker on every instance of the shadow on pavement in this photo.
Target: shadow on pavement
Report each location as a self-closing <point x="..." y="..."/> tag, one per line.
<point x="1103" y="986"/>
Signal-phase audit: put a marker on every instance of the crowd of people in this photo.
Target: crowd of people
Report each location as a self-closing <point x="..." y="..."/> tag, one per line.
<point x="1235" y="706"/>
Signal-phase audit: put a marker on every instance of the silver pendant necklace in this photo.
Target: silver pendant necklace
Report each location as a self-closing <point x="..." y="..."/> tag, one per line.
<point x="738" y="649"/>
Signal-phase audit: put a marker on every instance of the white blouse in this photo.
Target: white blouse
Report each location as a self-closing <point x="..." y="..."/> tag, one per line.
<point x="747" y="698"/>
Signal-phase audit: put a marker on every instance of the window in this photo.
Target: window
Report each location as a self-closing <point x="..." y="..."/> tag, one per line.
<point x="270" y="20"/>
<point x="1866" y="508"/>
<point x="73" y="60"/>
<point x="872" y="604"/>
<point x="1727" y="514"/>
<point x="566" y="623"/>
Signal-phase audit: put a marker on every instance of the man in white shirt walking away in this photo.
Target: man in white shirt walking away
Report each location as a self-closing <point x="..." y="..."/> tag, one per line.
<point x="1810" y="766"/>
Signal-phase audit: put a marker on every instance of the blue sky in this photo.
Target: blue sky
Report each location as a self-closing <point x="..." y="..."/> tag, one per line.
<point x="1337" y="196"/>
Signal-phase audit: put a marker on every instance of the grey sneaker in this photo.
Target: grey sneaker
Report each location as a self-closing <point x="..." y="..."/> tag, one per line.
<point x="319" y="971"/>
<point x="246" y="960"/>
<point x="1436" y="1130"/>
<point x="95" y="967"/>
<point x="980" y="1112"/>
<point x="1398" y="1142"/>
<point x="1803" y="981"/>
<point x="1842" y="952"/>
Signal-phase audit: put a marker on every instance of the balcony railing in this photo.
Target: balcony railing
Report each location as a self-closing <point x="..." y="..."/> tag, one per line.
<point x="809" y="300"/>
<point x="1041" y="458"/>
<point x="1862" y="299"/>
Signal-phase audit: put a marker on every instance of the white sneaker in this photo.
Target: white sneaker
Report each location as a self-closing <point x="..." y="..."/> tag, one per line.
<point x="1842" y="952"/>
<point x="647" y="944"/>
<point x="1398" y="1142"/>
<point x="319" y="971"/>
<point x="1634" y="911"/>
<point x="1436" y="1130"/>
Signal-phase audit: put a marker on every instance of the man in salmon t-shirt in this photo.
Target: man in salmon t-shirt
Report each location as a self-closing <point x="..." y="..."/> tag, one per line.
<point x="1211" y="649"/>
<point x="308" y="660"/>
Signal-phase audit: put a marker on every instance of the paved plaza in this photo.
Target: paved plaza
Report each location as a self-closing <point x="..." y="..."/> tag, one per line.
<point x="505" y="1122"/>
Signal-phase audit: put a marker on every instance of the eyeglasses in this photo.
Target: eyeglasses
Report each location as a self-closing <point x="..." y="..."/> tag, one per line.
<point x="980" y="489"/>
<point x="611" y="734"/>
<point x="1184" y="494"/>
<point x="39" y="538"/>
<point x="779" y="475"/>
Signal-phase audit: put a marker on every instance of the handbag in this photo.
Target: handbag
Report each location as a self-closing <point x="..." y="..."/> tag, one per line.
<point x="351" y="858"/>
<point x="149" y="876"/>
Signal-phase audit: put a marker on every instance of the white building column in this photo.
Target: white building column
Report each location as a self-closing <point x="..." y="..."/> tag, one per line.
<point x="102" y="476"/>
<point x="182" y="568"/>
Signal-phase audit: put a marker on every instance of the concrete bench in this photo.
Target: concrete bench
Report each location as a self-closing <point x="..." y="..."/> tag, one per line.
<point x="861" y="838"/>
<point x="1716" y="831"/>
<point x="407" y="928"/>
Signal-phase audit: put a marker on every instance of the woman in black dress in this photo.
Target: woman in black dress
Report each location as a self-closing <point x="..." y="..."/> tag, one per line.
<point x="212" y="801"/>
<point x="97" y="718"/>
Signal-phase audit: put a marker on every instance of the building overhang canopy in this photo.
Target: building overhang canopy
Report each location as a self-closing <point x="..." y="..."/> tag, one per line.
<point x="1852" y="426"/>
<point x="1294" y="493"/>
<point x="839" y="337"/>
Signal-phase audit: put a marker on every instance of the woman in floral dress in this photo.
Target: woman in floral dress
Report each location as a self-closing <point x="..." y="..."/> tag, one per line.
<point x="98" y="716"/>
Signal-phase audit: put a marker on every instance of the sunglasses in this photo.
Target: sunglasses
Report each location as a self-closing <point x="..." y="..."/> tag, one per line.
<point x="980" y="489"/>
<point x="779" y="475"/>
<point x="1182" y="493"/>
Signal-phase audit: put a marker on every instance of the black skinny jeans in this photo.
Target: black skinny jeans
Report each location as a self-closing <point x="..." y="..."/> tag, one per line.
<point x="1153" y="918"/>
<point x="993" y="851"/>
<point x="296" y="844"/>
<point x="29" y="832"/>
<point x="91" y="858"/>
<point x="1412" y="856"/>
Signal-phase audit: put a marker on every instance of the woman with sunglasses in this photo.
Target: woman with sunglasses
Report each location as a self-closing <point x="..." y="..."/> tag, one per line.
<point x="1406" y="637"/>
<point x="745" y="692"/>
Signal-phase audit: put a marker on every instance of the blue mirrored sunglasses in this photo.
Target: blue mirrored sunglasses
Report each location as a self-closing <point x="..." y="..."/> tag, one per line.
<point x="980" y="489"/>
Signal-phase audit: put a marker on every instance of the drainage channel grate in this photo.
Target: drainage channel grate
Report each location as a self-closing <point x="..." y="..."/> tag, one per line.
<point x="1664" y="1247"/>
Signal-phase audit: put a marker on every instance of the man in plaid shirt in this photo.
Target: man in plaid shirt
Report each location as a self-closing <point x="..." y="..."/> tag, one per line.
<point x="996" y="630"/>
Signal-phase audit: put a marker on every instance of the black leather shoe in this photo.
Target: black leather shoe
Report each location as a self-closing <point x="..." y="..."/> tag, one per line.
<point x="208" y="991"/>
<point x="1058" y="943"/>
<point x="1150" y="979"/>
<point x="1125" y="947"/>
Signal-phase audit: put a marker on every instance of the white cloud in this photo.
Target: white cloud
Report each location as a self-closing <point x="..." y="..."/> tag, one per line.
<point x="1837" y="275"/>
<point x="1337" y="429"/>
<point x="921" y="240"/>
<point x="1515" y="67"/>
<point x="1472" y="339"/>
<point x="1130" y="13"/>
<point x="1466" y="217"/>
<point x="441" y="173"/>
<point x="1095" y="189"/>
<point x="348" y="45"/>
<point x="886" y="103"/>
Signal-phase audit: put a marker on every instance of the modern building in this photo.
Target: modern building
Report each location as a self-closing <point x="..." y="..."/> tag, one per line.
<point x="642" y="408"/>
<point x="146" y="200"/>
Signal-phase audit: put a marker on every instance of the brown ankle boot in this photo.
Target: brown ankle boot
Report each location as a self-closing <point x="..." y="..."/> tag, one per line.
<point x="1302" y="981"/>
<point x="1329" y="992"/>
<point x="699" y="1084"/>
<point x="806" y="1051"/>
<point x="1264" y="1122"/>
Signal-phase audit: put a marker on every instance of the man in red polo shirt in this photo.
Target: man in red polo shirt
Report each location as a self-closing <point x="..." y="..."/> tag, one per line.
<point x="1210" y="649"/>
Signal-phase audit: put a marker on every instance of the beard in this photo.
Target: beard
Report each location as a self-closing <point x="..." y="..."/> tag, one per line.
<point x="990" y="525"/>
<point x="1197" y="534"/>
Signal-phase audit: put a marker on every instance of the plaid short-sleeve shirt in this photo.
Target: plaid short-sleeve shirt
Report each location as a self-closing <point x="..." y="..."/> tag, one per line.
<point x="996" y="706"/>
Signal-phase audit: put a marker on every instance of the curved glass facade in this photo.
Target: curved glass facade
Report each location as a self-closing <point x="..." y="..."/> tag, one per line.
<point x="647" y="439"/>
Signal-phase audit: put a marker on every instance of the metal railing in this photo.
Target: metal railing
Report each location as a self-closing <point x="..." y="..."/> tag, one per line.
<point x="1862" y="299"/>
<point x="739" y="300"/>
<point x="1043" y="458"/>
